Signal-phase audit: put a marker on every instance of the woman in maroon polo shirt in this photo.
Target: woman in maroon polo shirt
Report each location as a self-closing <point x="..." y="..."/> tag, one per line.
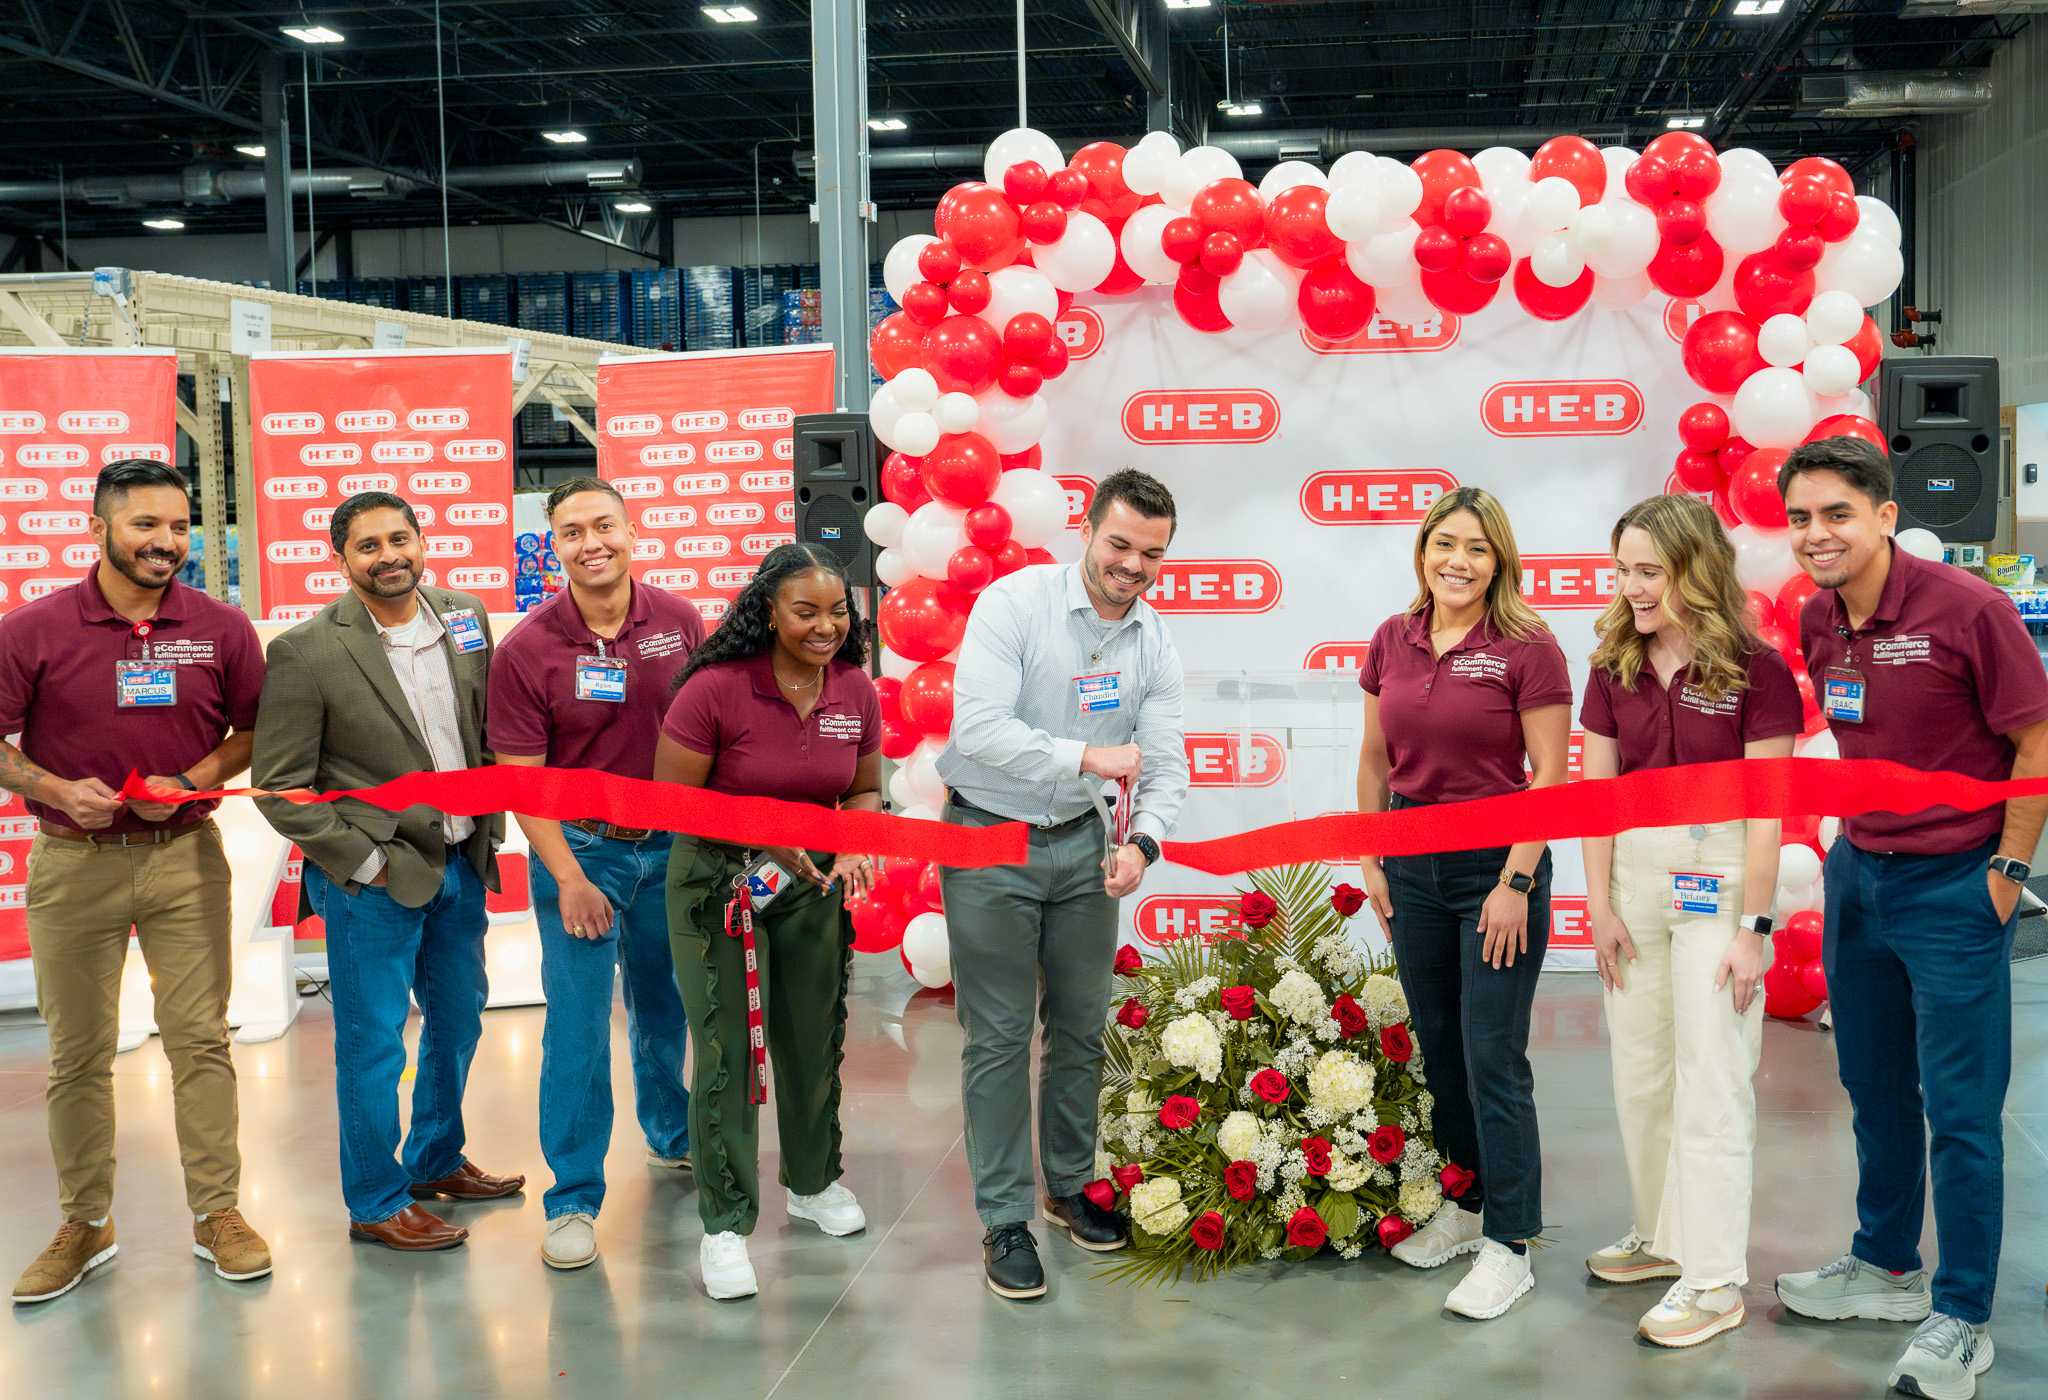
<point x="1459" y="689"/>
<point x="1681" y="914"/>
<point x="773" y="704"/>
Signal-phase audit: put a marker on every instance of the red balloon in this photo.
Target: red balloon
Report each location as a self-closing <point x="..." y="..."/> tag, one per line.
<point x="1573" y="158"/>
<point x="963" y="354"/>
<point x="1802" y="199"/>
<point x="899" y="740"/>
<point x="1842" y="217"/>
<point x="1732" y="455"/>
<point x="1333" y="302"/>
<point x="897" y="344"/>
<point x="1437" y="249"/>
<point x="1829" y="174"/>
<point x="1466" y="211"/>
<point x="878" y="923"/>
<point x="1807" y="702"/>
<point x="1721" y="507"/>
<point x="1487" y="258"/>
<point x="1801" y="831"/>
<point x="1231" y="206"/>
<point x="1039" y="556"/>
<point x="1704" y="427"/>
<point x="969" y="291"/>
<point x="971" y="569"/>
<point x="1441" y="172"/>
<point x="1009" y="558"/>
<point x="903" y="481"/>
<point x="1043" y="222"/>
<point x="1027" y="336"/>
<point x="977" y="220"/>
<point x="1698" y="471"/>
<point x="1780" y="641"/>
<point x="1720" y="351"/>
<point x="1695" y="173"/>
<point x="1068" y="189"/>
<point x="1454" y="291"/>
<point x="1221" y="254"/>
<point x="1673" y="145"/>
<point x="1680" y="221"/>
<point x="1687" y="270"/>
<point x="1869" y="347"/>
<point x="1102" y="163"/>
<point x="889" y="694"/>
<point x="1122" y="278"/>
<point x="1194" y="297"/>
<point x="1066" y="303"/>
<point x="1024" y="182"/>
<point x="896" y="876"/>
<point x="1849" y="425"/>
<point x="922" y="619"/>
<point x="962" y="470"/>
<point x="1020" y="380"/>
<point x="924" y="303"/>
<point x="988" y="525"/>
<point x="1053" y="363"/>
<point x="928" y="694"/>
<point x="1798" y="249"/>
<point x="1762" y="610"/>
<point x="1753" y="491"/>
<point x="1028" y="460"/>
<point x="1791" y="600"/>
<point x="1764" y="289"/>
<point x="1785" y="994"/>
<point x="1649" y="180"/>
<point x="930" y="893"/>
<point x="1799" y="941"/>
<point x="938" y="262"/>
<point x="1181" y="240"/>
<point x="1548" y="303"/>
<point x="1814" y="978"/>
<point x="1296" y="229"/>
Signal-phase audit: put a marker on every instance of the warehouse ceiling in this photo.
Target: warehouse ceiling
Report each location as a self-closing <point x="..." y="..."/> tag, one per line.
<point x="716" y="113"/>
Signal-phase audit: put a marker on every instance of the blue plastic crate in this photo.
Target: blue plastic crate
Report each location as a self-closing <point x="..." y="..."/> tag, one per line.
<point x="655" y="307"/>
<point x="597" y="306"/>
<point x="426" y="296"/>
<point x="485" y="297"/>
<point x="712" y="304"/>
<point x="541" y="302"/>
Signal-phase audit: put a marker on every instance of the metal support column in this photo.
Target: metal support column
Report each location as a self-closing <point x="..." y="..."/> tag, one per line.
<point x="208" y="452"/>
<point x="245" y="487"/>
<point x="839" y="105"/>
<point x="277" y="183"/>
<point x="1157" y="46"/>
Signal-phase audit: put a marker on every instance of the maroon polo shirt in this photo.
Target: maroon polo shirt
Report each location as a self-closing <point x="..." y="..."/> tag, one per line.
<point x="735" y="711"/>
<point x="534" y="712"/>
<point x="1659" y="728"/>
<point x="1453" y="722"/>
<point x="1948" y="671"/>
<point x="57" y="689"/>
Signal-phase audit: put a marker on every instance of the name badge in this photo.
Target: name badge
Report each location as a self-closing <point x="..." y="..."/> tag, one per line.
<point x="464" y="630"/>
<point x="145" y="684"/>
<point x="601" y="678"/>
<point x="1842" y="695"/>
<point x="1695" y="894"/>
<point x="1101" y="691"/>
<point x="765" y="880"/>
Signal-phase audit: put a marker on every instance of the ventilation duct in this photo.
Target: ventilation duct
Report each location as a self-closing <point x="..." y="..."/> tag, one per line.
<point x="1895" y="94"/>
<point x="205" y="184"/>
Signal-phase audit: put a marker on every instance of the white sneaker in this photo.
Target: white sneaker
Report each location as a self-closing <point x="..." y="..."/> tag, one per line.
<point x="1449" y="1233"/>
<point x="1688" y="1316"/>
<point x="833" y="1210"/>
<point x="1944" y="1359"/>
<point x="571" y="1241"/>
<point x="728" y="1273"/>
<point x="1498" y="1278"/>
<point x="1629" y="1260"/>
<point x="674" y="1164"/>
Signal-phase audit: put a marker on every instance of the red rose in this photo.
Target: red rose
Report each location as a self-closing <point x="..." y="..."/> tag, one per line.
<point x="1385" y="1143"/>
<point x="1455" y="1180"/>
<point x="1349" y="1015"/>
<point x="1257" y="909"/>
<point x="1241" y="1002"/>
<point x="1179" y="1111"/>
<point x="1347" y="899"/>
<point x="1241" y="1180"/>
<point x="1395" y="1044"/>
<point x="1102" y="1193"/>
<point x="1133" y="1014"/>
<point x="1127" y="1176"/>
<point x="1128" y="963"/>
<point x="1207" y="1231"/>
<point x="1270" y="1085"/>
<point x="1393" y="1229"/>
<point x="1306" y="1230"/>
<point x="1316" y="1152"/>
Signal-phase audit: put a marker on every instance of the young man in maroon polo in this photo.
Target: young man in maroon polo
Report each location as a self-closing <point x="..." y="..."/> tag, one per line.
<point x="129" y="670"/>
<point x="1927" y="666"/>
<point x="582" y="682"/>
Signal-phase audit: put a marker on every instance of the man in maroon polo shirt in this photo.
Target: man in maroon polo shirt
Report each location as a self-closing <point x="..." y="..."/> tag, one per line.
<point x="1927" y="666"/>
<point x="582" y="682"/>
<point x="128" y="670"/>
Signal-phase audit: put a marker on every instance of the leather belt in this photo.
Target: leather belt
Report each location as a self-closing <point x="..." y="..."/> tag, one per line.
<point x="606" y="829"/>
<point x="964" y="805"/>
<point x="159" y="837"/>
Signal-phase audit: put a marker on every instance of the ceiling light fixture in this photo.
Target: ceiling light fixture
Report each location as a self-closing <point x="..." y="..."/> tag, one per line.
<point x="729" y="14"/>
<point x="312" y="33"/>
<point x="165" y="224"/>
<point x="887" y="124"/>
<point x="1243" y="109"/>
<point x="565" y="138"/>
<point x="253" y="152"/>
<point x="1187" y="4"/>
<point x="1686" y="123"/>
<point x="1747" y="8"/>
<point x="634" y="206"/>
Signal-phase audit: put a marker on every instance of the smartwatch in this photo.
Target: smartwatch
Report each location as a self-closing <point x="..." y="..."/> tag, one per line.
<point x="1147" y="847"/>
<point x="1516" y="880"/>
<point x="2013" y="870"/>
<point x="1758" y="924"/>
<point x="184" y="781"/>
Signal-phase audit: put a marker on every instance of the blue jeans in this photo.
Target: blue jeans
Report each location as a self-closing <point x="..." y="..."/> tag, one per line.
<point x="1919" y="973"/>
<point x="381" y="956"/>
<point x="576" y="1047"/>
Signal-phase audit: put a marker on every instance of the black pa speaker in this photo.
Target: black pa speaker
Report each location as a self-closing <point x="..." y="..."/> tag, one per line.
<point x="1940" y="415"/>
<point x="838" y="471"/>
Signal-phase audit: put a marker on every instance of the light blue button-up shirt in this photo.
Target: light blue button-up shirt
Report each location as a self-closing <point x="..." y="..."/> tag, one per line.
<point x="1018" y="728"/>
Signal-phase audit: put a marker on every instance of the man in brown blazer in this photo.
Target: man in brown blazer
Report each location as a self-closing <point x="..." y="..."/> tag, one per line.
<point x="390" y="679"/>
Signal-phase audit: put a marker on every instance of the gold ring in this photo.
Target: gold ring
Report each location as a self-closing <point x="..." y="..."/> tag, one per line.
<point x="577" y="930"/>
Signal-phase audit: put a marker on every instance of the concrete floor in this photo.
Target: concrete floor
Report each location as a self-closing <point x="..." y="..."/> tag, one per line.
<point x="900" y="1311"/>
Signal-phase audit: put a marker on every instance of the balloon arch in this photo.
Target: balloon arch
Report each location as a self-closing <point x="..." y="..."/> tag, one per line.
<point x="1780" y="264"/>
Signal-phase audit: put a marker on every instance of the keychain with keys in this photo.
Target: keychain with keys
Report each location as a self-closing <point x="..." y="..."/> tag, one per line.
<point x="144" y="684"/>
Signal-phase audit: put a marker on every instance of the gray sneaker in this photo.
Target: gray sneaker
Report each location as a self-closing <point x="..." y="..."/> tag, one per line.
<point x="1851" y="1288"/>
<point x="1944" y="1359"/>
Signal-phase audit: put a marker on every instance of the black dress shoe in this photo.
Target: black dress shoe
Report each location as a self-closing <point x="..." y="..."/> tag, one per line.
<point x="1011" y="1256"/>
<point x="1089" y="1225"/>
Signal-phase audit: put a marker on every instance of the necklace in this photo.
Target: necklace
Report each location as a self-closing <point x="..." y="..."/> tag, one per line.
<point x="805" y="686"/>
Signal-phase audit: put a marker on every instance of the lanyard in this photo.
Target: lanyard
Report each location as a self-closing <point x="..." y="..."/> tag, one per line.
<point x="741" y="910"/>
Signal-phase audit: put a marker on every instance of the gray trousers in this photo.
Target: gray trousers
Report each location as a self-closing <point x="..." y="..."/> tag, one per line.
<point x="1046" y="932"/>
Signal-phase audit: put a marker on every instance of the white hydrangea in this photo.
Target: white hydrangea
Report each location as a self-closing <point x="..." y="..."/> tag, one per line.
<point x="1102" y="1164"/>
<point x="1300" y="998"/>
<point x="1418" y="1200"/>
<point x="1418" y="1158"/>
<point x="1340" y="1084"/>
<point x="1238" y="1139"/>
<point x="1347" y="1173"/>
<point x="1192" y="1043"/>
<point x="1156" y="1205"/>
<point x="1196" y="992"/>
<point x="1140" y="1104"/>
<point x="1384" y="1001"/>
<point x="1337" y="953"/>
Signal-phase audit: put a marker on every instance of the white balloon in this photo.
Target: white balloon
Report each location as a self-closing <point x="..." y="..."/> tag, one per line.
<point x="1743" y="213"/>
<point x="1831" y="369"/>
<point x="956" y="413"/>
<point x="1791" y="900"/>
<point x="1140" y="243"/>
<point x="1798" y="866"/>
<point x="1555" y="262"/>
<point x="899" y="788"/>
<point x="1014" y="290"/>
<point x="1261" y="293"/>
<point x="883" y="412"/>
<point x="1634" y="242"/>
<point x="897" y="668"/>
<point x="1593" y="229"/>
<point x="923" y="767"/>
<point x="934" y="531"/>
<point x="1498" y="166"/>
<point x="1742" y="160"/>
<point x="1763" y="559"/>
<point x="1356" y="168"/>
<point x="892" y="569"/>
<point x="916" y="434"/>
<point x="1783" y="341"/>
<point x="1774" y="408"/>
<point x="1020" y="144"/>
<point x="1553" y="202"/>
<point x="1386" y="259"/>
<point x="1830" y="827"/>
<point x="1195" y="169"/>
<point x="927" y="977"/>
<point x="924" y="942"/>
<point x="1400" y="189"/>
<point x="899" y="268"/>
<point x="1288" y="174"/>
<point x="1405" y="305"/>
<point x="1067" y="546"/>
<point x="1875" y="216"/>
<point x="1510" y="221"/>
<point x="1353" y="212"/>
<point x="1833" y="317"/>
<point x="1921" y="544"/>
<point x="884" y="523"/>
<point x="1620" y="293"/>
<point x="1860" y="405"/>
<point x="920" y="812"/>
<point x="1823" y="745"/>
<point x="1863" y="265"/>
<point x="1012" y="425"/>
<point x="916" y="390"/>
<point x="1037" y="506"/>
<point x="1084" y="255"/>
<point x="1145" y="164"/>
<point x="1617" y="159"/>
<point x="1721" y="296"/>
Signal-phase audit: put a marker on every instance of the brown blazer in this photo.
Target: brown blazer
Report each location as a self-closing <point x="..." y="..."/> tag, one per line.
<point x="333" y="716"/>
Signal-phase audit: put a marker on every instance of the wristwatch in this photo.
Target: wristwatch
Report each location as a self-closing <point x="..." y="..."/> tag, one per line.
<point x="1516" y="880"/>
<point x="1147" y="847"/>
<point x="186" y="782"/>
<point x="1758" y="924"/>
<point x="2013" y="870"/>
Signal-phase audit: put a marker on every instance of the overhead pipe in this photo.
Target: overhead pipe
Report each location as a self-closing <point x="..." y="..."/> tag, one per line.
<point x="205" y="184"/>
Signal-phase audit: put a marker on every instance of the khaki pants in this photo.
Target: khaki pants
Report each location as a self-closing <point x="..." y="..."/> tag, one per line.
<point x="1683" y="1058"/>
<point x="82" y="901"/>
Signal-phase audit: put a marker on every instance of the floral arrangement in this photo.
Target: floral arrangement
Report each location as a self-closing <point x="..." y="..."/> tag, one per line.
<point x="1264" y="1097"/>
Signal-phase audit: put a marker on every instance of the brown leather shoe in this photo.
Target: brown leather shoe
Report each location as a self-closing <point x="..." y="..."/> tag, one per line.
<point x="469" y="1183"/>
<point x="411" y="1229"/>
